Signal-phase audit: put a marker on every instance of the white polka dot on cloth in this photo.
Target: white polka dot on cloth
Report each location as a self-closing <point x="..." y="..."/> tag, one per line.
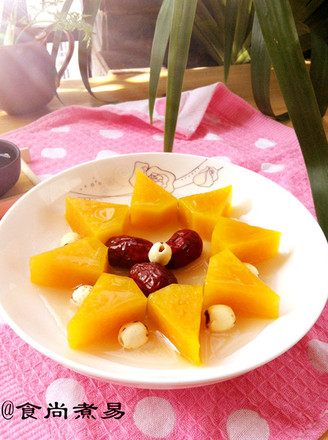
<point x="158" y="136"/>
<point x="212" y="137"/>
<point x="106" y="153"/>
<point x="222" y="158"/>
<point x="63" y="129"/>
<point x="53" y="153"/>
<point x="264" y="143"/>
<point x="245" y="424"/>
<point x="65" y="391"/>
<point x="272" y="167"/>
<point x="111" y="134"/>
<point x="317" y="352"/>
<point x="154" y="416"/>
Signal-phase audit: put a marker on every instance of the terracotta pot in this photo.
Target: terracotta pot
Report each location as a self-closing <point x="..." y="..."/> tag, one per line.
<point x="28" y="75"/>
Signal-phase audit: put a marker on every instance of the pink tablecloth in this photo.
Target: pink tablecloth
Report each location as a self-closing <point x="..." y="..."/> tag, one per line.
<point x="285" y="399"/>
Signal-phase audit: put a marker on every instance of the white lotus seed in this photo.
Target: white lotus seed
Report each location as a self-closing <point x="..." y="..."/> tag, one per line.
<point x="219" y="318"/>
<point x="133" y="335"/>
<point x="70" y="237"/>
<point x="160" y="253"/>
<point x="80" y="293"/>
<point x="252" y="268"/>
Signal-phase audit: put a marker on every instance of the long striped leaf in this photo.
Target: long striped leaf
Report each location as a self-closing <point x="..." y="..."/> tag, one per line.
<point x="207" y="23"/>
<point x="160" y="41"/>
<point x="231" y="14"/>
<point x="236" y="28"/>
<point x="58" y="34"/>
<point x="216" y="8"/>
<point x="212" y="49"/>
<point x="279" y="32"/>
<point x="243" y="55"/>
<point x="182" y="24"/>
<point x="261" y="72"/>
<point x="303" y="9"/>
<point x="243" y="27"/>
<point x="208" y="32"/>
<point x="313" y="14"/>
<point x="319" y="71"/>
<point x="90" y="10"/>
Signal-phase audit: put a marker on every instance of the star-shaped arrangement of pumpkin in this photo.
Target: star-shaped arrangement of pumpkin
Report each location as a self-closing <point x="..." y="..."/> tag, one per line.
<point x="123" y="282"/>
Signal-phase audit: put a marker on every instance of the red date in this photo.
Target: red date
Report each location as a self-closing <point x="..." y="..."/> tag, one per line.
<point x="125" y="251"/>
<point x="186" y="246"/>
<point x="151" y="277"/>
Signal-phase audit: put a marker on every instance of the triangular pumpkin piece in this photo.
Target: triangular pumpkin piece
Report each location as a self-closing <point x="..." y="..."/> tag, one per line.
<point x="229" y="281"/>
<point x="96" y="219"/>
<point x="201" y="211"/>
<point x="114" y="300"/>
<point x="81" y="262"/>
<point x="176" y="310"/>
<point x="151" y="205"/>
<point x="250" y="244"/>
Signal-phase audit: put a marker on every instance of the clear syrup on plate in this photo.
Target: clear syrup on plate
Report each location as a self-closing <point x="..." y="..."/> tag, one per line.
<point x="159" y="353"/>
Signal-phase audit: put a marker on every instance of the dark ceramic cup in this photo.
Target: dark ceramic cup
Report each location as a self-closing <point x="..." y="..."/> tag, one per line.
<point x="10" y="165"/>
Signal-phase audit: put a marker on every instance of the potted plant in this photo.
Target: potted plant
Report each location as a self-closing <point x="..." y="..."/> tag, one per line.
<point x="272" y="32"/>
<point x="28" y="75"/>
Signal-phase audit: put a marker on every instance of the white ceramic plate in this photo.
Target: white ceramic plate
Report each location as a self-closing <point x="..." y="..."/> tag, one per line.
<point x="39" y="315"/>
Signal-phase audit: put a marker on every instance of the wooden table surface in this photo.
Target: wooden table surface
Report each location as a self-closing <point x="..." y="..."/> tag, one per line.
<point x="122" y="86"/>
<point x="133" y="85"/>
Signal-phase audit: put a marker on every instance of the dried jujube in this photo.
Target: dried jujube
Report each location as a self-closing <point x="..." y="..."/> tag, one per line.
<point x="186" y="246"/>
<point x="151" y="277"/>
<point x="125" y="250"/>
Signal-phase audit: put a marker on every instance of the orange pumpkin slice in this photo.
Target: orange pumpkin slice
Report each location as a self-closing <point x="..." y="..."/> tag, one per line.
<point x="151" y="205"/>
<point x="201" y="211"/>
<point x="175" y="310"/>
<point x="81" y="262"/>
<point x="96" y="219"/>
<point x="229" y="281"/>
<point x="250" y="244"/>
<point x="113" y="301"/>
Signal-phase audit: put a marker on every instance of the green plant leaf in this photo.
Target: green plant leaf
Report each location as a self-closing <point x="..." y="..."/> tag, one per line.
<point x="209" y="29"/>
<point x="214" y="7"/>
<point x="9" y="20"/>
<point x="58" y="34"/>
<point x="313" y="14"/>
<point x="160" y="41"/>
<point x="215" y="51"/>
<point x="182" y="24"/>
<point x="319" y="71"/>
<point x="237" y="17"/>
<point x="280" y="35"/>
<point x="244" y="26"/>
<point x="232" y="9"/>
<point x="90" y="11"/>
<point x="243" y="56"/>
<point x="303" y="9"/>
<point x="261" y="72"/>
